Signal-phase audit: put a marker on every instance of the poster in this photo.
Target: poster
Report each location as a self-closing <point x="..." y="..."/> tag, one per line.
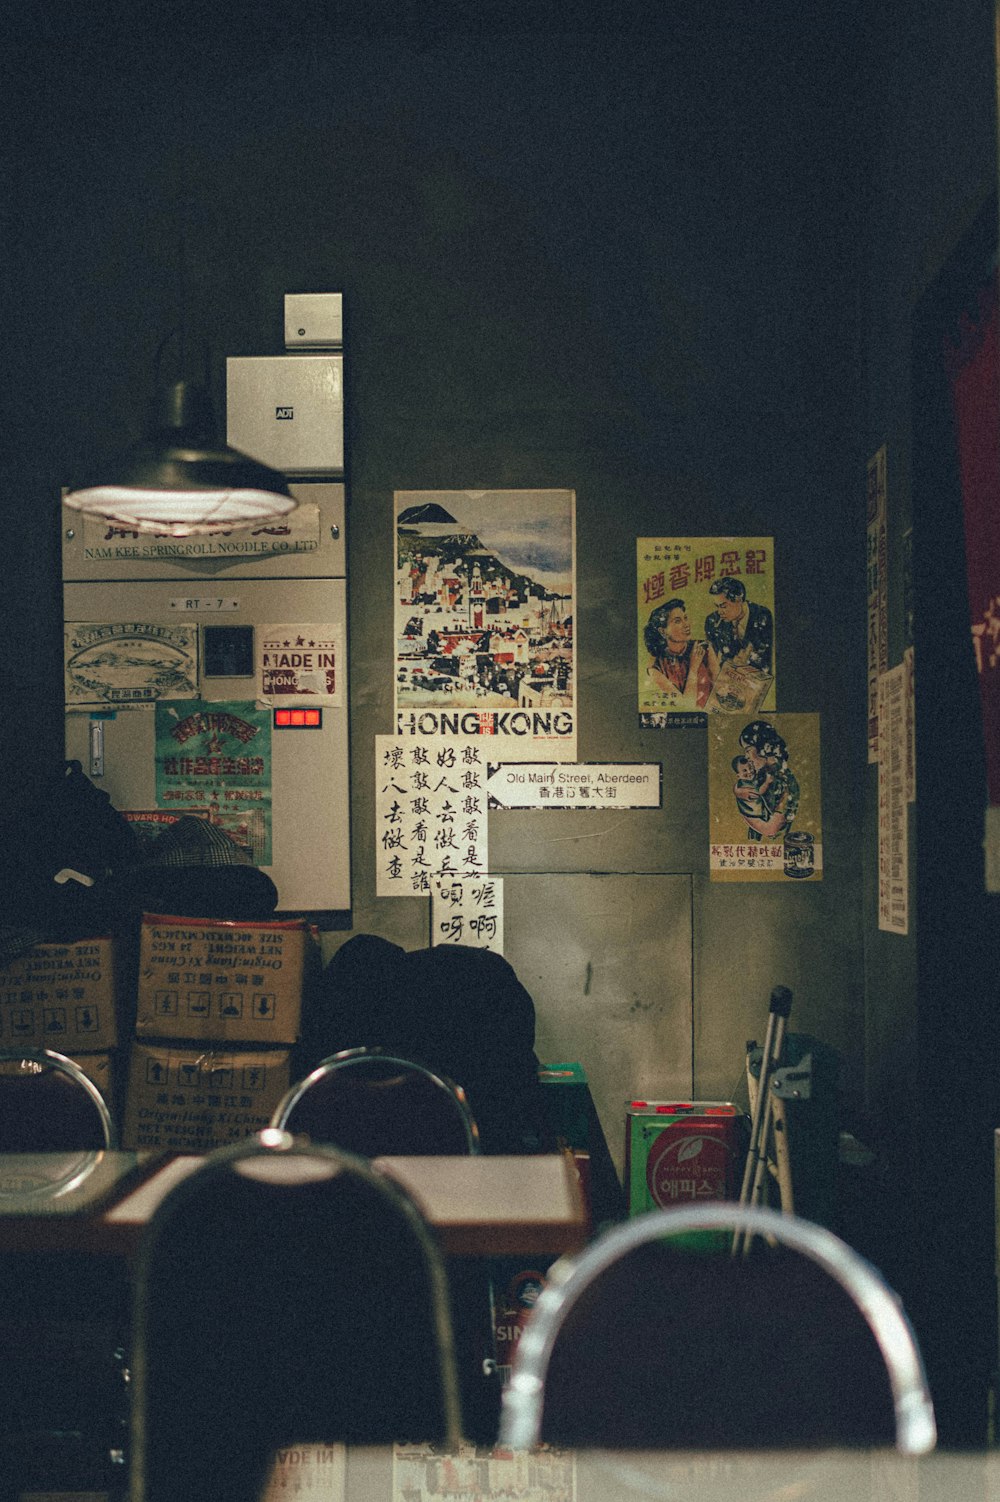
<point x="893" y="833"/>
<point x="218" y="756"/>
<point x="484" y="619"/>
<point x="300" y="662"/>
<point x="430" y="813"/>
<point x="764" y="798"/>
<point x="468" y="910"/>
<point x="706" y="642"/>
<point x="122" y="663"/>
<point x="878" y="591"/>
<point x="433" y="1473"/>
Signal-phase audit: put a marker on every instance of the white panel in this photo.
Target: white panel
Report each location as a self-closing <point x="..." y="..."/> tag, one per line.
<point x="314" y="320"/>
<point x="287" y="411"/>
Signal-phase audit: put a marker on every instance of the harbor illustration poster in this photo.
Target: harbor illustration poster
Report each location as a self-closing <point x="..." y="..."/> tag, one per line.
<point x="484" y="619"/>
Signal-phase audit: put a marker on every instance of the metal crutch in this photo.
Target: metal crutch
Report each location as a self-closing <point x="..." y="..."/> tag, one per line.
<point x="760" y="1121"/>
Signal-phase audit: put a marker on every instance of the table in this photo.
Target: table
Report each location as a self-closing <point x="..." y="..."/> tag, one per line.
<point x="101" y="1202"/>
<point x="357" y="1474"/>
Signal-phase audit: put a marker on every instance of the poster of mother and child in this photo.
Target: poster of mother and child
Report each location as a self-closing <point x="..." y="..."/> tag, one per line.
<point x="706" y="658"/>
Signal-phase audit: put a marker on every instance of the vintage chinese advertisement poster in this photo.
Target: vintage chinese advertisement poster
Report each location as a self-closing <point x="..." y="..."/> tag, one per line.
<point x="764" y="804"/>
<point x="218" y="757"/>
<point x="430" y="813"/>
<point x="300" y="663"/>
<point x="706" y="640"/>
<point x="121" y="663"/>
<point x="484" y="619"/>
<point x="468" y="910"/>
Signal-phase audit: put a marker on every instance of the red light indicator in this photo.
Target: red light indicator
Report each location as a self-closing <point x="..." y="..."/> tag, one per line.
<point x="298" y="719"/>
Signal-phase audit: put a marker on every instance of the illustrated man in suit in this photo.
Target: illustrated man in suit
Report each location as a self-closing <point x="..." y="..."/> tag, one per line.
<point x="738" y="631"/>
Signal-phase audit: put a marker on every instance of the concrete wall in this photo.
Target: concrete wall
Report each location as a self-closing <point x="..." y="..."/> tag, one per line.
<point x="614" y="260"/>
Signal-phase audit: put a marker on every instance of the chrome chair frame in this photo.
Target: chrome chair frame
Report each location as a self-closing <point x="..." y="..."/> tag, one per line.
<point x="523" y="1401"/>
<point x="351" y="1058"/>
<point x="258" y="1155"/>
<point x="49" y="1058"/>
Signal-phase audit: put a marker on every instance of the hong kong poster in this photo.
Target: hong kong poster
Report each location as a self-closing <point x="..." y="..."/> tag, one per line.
<point x="764" y="808"/>
<point x="705" y="628"/>
<point x="484" y="619"/>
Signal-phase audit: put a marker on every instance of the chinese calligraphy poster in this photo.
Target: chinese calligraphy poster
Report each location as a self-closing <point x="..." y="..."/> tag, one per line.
<point x="218" y="757"/>
<point x="468" y="911"/>
<point x="430" y="813"/>
<point x="484" y="618"/>
<point x="764" y="798"/>
<point x="705" y="610"/>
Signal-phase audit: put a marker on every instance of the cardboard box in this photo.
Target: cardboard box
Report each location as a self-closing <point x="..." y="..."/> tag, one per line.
<point x="100" y="1070"/>
<point x="222" y="982"/>
<point x="190" y="1100"/>
<point x="60" y="996"/>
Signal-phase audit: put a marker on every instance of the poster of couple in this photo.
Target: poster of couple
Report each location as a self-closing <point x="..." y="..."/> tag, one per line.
<point x="705" y="628"/>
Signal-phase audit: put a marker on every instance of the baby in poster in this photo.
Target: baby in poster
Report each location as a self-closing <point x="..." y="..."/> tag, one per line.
<point x="764" y="798"/>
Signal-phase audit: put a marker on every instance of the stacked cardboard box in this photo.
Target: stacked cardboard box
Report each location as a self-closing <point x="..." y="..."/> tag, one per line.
<point x="218" y="1008"/>
<point x="65" y="997"/>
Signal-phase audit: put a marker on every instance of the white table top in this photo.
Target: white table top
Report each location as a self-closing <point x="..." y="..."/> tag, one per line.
<point x="482" y="1205"/>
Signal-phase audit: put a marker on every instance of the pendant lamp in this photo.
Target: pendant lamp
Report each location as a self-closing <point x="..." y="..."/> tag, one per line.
<point x="181" y="481"/>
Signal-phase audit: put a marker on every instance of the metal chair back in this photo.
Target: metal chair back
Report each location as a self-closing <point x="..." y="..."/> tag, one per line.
<point x="379" y="1105"/>
<point x="286" y="1293"/>
<point x="656" y="1337"/>
<point x="48" y="1104"/>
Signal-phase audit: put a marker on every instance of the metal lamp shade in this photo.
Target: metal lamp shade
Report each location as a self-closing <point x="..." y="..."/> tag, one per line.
<point x="181" y="481"/>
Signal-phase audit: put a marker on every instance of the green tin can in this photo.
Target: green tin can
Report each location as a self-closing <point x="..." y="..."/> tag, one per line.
<point x="680" y="1153"/>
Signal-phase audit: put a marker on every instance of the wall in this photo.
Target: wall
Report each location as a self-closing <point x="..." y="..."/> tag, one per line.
<point x="617" y="257"/>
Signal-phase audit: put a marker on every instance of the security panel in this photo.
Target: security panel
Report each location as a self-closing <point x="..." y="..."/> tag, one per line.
<point x="211" y="677"/>
<point x="314" y="320"/>
<point x="287" y="411"/>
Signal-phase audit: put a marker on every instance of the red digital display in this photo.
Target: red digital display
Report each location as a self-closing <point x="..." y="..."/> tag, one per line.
<point x="298" y="719"/>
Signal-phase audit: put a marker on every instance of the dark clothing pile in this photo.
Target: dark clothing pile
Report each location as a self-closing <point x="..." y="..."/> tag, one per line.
<point x="458" y="1010"/>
